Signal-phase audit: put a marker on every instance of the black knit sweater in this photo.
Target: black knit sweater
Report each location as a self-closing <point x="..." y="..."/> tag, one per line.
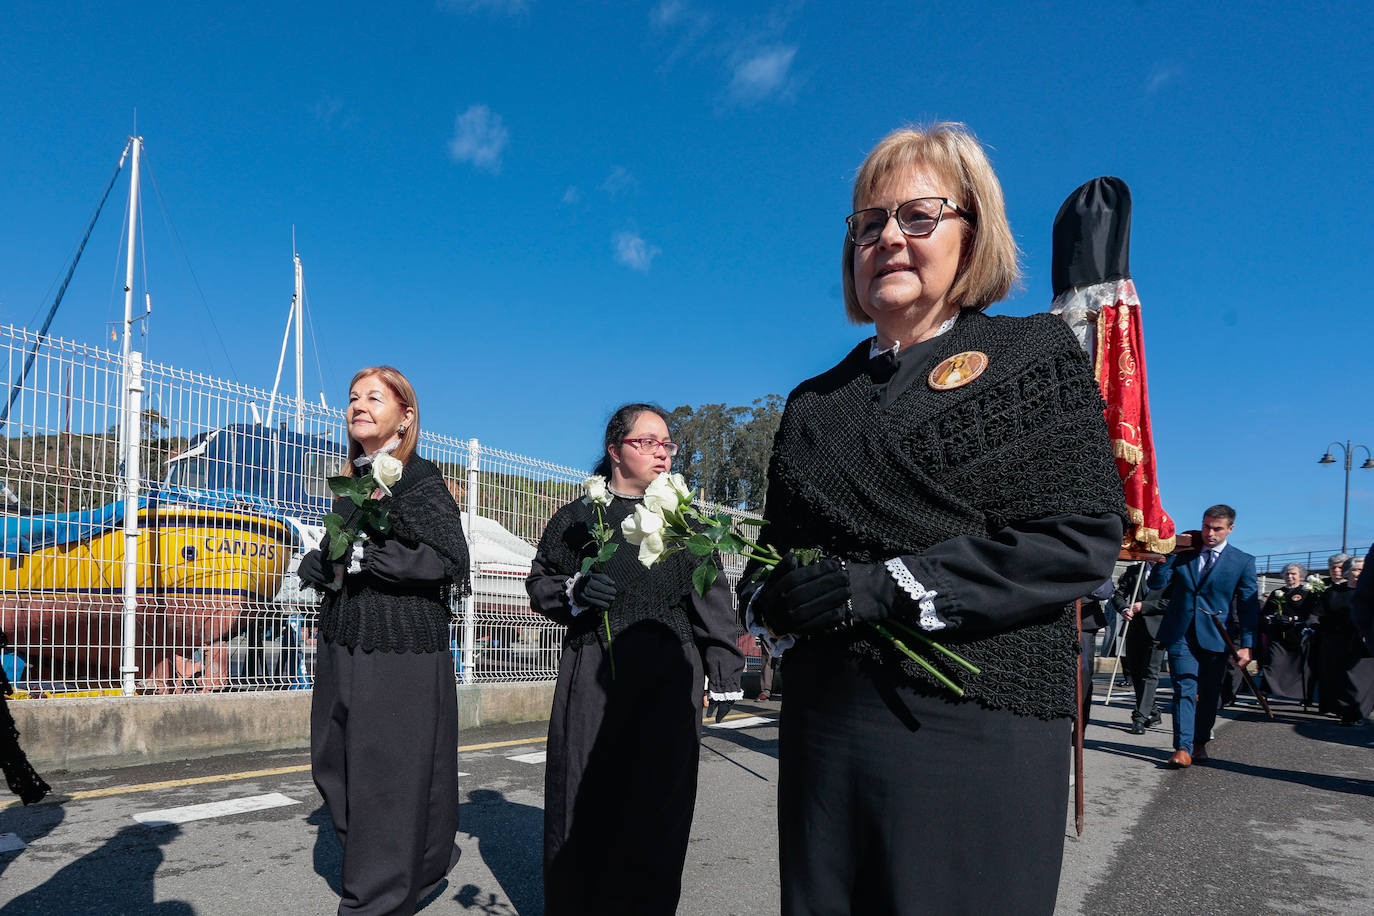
<point x="1002" y="495"/>
<point x="410" y="616"/>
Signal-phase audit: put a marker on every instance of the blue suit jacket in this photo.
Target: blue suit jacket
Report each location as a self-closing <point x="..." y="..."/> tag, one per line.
<point x="1232" y="579"/>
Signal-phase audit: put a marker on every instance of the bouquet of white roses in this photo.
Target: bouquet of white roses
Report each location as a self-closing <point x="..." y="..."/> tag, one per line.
<point x="369" y="514"/>
<point x="668" y="521"/>
<point x="1314" y="584"/>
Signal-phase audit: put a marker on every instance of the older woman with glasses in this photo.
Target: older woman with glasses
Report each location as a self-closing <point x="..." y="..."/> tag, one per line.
<point x="621" y="775"/>
<point x="955" y="472"/>
<point x="1287" y="664"/>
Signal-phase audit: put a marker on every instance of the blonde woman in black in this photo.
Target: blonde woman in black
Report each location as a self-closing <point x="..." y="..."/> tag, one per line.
<point x="384" y="715"/>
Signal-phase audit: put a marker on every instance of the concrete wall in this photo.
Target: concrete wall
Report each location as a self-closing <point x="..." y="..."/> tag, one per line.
<point x="124" y="731"/>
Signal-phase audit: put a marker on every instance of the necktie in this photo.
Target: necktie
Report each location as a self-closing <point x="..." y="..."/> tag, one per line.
<point x="1208" y="558"/>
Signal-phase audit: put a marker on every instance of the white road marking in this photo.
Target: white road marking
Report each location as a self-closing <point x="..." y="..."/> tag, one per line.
<point x="213" y="809"/>
<point x="536" y="757"/>
<point x="746" y="722"/>
<point x="10" y="842"/>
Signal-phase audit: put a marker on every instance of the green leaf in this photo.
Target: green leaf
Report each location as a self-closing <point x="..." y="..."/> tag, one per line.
<point x="587" y="564"/>
<point x="704" y="577"/>
<point x="700" y="545"/>
<point x="731" y="544"/>
<point x="338" y="546"/>
<point x="342" y="486"/>
<point x="333" y="524"/>
<point x="607" y="551"/>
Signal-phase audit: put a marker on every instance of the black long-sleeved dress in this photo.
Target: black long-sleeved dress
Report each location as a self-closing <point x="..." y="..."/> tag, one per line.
<point x="1345" y="671"/>
<point x="1288" y="670"/>
<point x="384" y="712"/>
<point x="997" y="503"/>
<point x="621" y="771"/>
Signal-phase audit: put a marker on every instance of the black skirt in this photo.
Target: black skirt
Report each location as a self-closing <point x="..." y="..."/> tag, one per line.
<point x="899" y="800"/>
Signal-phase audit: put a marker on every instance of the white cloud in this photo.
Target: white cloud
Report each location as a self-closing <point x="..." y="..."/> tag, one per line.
<point x="500" y="7"/>
<point x="479" y="137"/>
<point x="328" y="109"/>
<point x="635" y="253"/>
<point x="762" y="73"/>
<point x="1161" y="75"/>
<point x="619" y="180"/>
<point x="666" y="14"/>
<point x="572" y="195"/>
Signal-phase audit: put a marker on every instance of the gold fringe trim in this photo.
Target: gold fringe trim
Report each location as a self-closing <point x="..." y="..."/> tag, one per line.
<point x="1147" y="536"/>
<point x="1131" y="454"/>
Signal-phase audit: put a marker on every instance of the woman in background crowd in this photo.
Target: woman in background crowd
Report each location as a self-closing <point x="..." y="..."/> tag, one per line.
<point x="1345" y="672"/>
<point x="1287" y="669"/>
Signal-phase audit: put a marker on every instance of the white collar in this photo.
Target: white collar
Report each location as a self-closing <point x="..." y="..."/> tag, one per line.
<point x="896" y="348"/>
<point x="363" y="461"/>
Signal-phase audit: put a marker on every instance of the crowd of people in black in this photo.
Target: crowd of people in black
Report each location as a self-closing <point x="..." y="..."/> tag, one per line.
<point x="1311" y="640"/>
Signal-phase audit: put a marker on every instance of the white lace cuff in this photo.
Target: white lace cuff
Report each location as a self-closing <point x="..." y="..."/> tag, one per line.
<point x="924" y="597"/>
<point x="727" y="696"/>
<point x="776" y="644"/>
<point x="568" y="590"/>
<point x="355" y="558"/>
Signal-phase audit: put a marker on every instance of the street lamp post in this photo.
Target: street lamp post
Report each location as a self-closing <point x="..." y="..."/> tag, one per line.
<point x="1349" y="454"/>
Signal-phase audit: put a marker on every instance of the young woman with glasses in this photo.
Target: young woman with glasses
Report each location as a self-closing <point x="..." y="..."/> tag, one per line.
<point x="956" y="474"/>
<point x="621" y="774"/>
<point x="384" y="714"/>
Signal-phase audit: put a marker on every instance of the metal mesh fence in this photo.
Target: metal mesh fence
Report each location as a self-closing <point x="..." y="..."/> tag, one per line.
<point x="229" y="490"/>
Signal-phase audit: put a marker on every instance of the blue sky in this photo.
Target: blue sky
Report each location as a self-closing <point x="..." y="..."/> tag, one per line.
<point x="540" y="210"/>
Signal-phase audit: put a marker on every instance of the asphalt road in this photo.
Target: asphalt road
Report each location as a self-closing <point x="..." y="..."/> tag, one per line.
<point x="1281" y="821"/>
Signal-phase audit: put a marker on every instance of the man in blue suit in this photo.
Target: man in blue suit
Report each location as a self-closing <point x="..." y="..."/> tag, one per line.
<point x="1206" y="580"/>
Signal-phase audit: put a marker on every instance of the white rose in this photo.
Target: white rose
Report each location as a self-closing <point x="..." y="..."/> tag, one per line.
<point x="645" y="528"/>
<point x="386" y="470"/>
<point x="664" y="495"/>
<point x="679" y="483"/>
<point x="597" y="490"/>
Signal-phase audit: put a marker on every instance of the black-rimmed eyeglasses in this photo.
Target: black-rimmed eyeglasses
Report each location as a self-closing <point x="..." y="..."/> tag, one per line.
<point x="649" y="446"/>
<point x="916" y="218"/>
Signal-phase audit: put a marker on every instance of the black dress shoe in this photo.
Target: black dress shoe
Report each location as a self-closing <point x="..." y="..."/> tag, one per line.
<point x="1156" y="717"/>
<point x="1137" y="727"/>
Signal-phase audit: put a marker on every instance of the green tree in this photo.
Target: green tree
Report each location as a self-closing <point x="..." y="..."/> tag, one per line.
<point x="724" y="450"/>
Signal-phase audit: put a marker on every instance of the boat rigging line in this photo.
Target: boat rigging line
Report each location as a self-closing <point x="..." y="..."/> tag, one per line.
<point x="62" y="291"/>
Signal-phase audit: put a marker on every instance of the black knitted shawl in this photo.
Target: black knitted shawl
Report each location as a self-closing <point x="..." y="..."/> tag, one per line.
<point x="370" y="614"/>
<point x="658" y="593"/>
<point x="1026" y="440"/>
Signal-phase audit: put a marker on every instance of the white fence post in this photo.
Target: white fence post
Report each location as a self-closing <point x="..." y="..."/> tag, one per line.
<point x="470" y="602"/>
<point x="133" y="412"/>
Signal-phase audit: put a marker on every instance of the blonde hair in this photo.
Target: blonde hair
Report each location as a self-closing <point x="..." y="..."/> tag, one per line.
<point x="989" y="263"/>
<point x="405" y="393"/>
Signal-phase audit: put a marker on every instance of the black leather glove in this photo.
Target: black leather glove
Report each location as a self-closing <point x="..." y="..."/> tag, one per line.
<point x="392" y="561"/>
<point x="594" y="590"/>
<point x="720" y="709"/>
<point x="313" y="571"/>
<point x="826" y="595"/>
<point x="803" y="599"/>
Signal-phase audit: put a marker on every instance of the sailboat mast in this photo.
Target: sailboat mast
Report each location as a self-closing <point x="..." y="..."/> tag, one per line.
<point x="132" y="365"/>
<point x="300" y="372"/>
<point x="129" y="267"/>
